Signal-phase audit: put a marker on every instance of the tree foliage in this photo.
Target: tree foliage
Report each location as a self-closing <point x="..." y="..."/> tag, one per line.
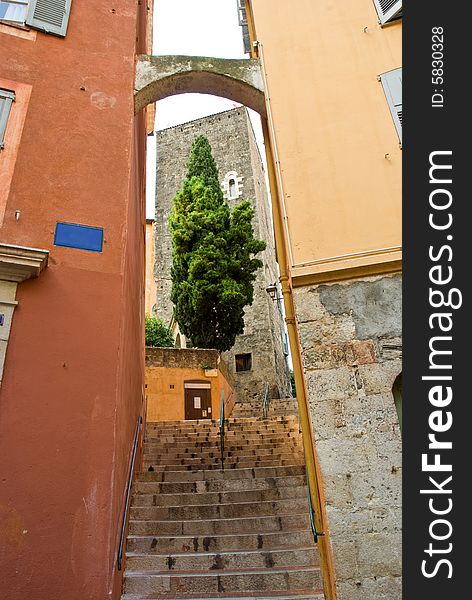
<point x="157" y="333"/>
<point x="213" y="256"/>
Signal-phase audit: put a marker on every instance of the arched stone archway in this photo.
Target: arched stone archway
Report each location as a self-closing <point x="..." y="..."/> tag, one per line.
<point x="158" y="77"/>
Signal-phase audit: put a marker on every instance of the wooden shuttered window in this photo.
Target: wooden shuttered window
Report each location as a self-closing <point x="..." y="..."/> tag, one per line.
<point x="13" y="11"/>
<point x="242" y="17"/>
<point x="6" y="99"/>
<point x="388" y="10"/>
<point x="50" y="16"/>
<point x="392" y="85"/>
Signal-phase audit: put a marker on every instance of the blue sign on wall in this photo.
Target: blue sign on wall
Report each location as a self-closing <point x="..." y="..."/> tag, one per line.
<point x="82" y="237"/>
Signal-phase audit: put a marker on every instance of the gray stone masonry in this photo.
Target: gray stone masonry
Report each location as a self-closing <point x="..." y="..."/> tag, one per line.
<point x="351" y="345"/>
<point x="236" y="154"/>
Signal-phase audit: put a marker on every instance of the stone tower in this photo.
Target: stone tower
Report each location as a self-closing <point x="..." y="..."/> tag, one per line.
<point x="259" y="354"/>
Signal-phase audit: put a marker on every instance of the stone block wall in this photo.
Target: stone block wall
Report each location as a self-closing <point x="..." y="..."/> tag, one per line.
<point x="351" y="346"/>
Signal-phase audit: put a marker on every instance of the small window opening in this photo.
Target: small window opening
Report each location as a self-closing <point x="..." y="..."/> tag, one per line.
<point x="243" y="362"/>
<point x="6" y="99"/>
<point x="232" y="188"/>
<point x="397" y="391"/>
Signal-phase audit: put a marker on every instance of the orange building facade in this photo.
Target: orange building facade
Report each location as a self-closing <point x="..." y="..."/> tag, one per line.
<point x="72" y="166"/>
<point x="187" y="383"/>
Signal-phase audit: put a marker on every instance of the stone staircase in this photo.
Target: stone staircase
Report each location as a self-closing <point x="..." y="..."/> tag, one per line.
<point x="198" y="532"/>
<point x="277" y="407"/>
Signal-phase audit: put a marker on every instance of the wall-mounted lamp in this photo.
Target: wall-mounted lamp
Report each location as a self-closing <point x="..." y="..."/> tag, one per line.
<point x="272" y="291"/>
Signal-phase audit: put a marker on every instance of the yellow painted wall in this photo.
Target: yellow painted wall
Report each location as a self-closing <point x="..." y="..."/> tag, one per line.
<point x="150" y="293"/>
<point x="166" y="404"/>
<point x="334" y="129"/>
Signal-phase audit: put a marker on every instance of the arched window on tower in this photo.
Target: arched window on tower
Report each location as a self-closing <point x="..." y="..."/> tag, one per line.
<point x="397" y="391"/>
<point x="232" y="193"/>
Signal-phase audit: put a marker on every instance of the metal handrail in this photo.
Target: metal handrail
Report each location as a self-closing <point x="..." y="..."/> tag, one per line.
<point x="266" y="402"/>
<point x="128" y="493"/>
<point x="222" y="430"/>
<point x="312" y="511"/>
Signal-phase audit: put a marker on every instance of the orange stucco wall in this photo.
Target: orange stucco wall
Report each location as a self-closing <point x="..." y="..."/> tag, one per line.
<point x="166" y="367"/>
<point x="339" y="150"/>
<point x="72" y="388"/>
<point x="166" y="404"/>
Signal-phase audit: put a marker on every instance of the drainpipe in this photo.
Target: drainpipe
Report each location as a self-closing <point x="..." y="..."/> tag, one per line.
<point x="283" y="252"/>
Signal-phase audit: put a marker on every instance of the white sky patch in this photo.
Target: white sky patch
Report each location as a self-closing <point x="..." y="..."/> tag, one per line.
<point x="194" y="28"/>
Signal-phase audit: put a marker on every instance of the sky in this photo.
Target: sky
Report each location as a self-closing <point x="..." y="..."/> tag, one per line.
<point x="195" y="28"/>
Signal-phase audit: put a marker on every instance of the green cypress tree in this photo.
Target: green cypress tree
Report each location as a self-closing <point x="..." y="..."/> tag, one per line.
<point x="213" y="256"/>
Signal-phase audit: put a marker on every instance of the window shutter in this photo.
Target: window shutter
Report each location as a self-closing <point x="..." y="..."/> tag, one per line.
<point x="242" y="17"/>
<point x="392" y="85"/>
<point x="50" y="16"/>
<point x="6" y="98"/>
<point x="388" y="10"/>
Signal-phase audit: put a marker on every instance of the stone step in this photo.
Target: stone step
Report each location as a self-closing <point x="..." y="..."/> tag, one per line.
<point x="260" y="428"/>
<point x="214" y="445"/>
<point x="223" y="485"/>
<point x="238" y="424"/>
<point x="247" y="473"/>
<point x="270" y="595"/>
<point x="253" y="580"/>
<point x="255" y="434"/>
<point x="218" y="467"/>
<point x="220" y="511"/>
<point x="230" y="446"/>
<point x="163" y="544"/>
<point x="196" y="438"/>
<point x="215" y="422"/>
<point x="257" y="407"/>
<point x="209" y="527"/>
<point x="257" y="413"/>
<point x="273" y="404"/>
<point x="204" y="561"/>
<point x="214" y="464"/>
<point x="277" y="408"/>
<point x="282" y="493"/>
<point x="247" y="453"/>
<point x="232" y="423"/>
<point x="230" y="463"/>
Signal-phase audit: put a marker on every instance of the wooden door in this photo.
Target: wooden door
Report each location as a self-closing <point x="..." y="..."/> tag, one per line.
<point x="197" y="400"/>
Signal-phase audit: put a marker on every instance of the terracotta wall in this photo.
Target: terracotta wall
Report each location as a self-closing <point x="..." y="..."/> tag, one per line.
<point x="72" y="386"/>
<point x="166" y="367"/>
